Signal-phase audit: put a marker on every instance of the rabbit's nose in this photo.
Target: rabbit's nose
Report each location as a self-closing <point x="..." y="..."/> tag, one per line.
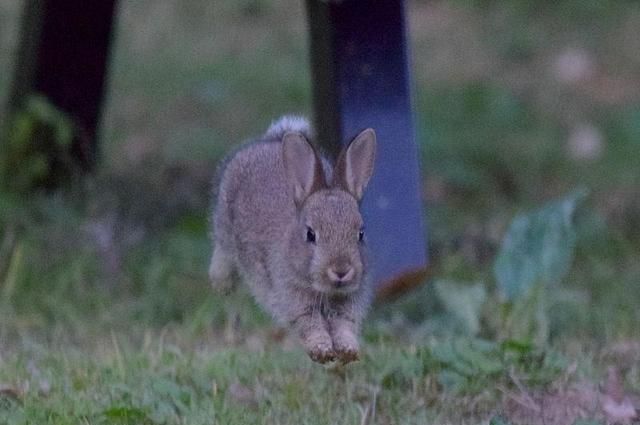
<point x="340" y="275"/>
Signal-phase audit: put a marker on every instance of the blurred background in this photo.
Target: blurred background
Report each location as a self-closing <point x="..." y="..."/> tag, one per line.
<point x="517" y="104"/>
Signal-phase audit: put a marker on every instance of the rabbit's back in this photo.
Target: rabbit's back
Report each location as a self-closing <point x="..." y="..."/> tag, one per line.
<point x="254" y="205"/>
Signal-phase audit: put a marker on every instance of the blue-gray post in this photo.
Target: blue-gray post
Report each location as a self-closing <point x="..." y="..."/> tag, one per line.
<point x="361" y="79"/>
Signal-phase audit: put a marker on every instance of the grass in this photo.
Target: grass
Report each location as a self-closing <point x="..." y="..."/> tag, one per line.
<point x="106" y="316"/>
<point x="166" y="377"/>
<point x="151" y="344"/>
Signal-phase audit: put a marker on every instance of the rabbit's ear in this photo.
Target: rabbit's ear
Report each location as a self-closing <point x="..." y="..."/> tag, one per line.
<point x="302" y="165"/>
<point x="355" y="163"/>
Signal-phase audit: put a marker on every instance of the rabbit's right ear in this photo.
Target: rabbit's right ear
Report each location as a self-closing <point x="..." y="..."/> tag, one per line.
<point x="354" y="166"/>
<point x="302" y="166"/>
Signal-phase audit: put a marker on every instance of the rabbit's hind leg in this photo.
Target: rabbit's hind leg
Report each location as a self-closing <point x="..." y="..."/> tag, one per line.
<point x="221" y="269"/>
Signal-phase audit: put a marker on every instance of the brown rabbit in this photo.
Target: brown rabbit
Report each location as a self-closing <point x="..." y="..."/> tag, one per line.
<point x="289" y="223"/>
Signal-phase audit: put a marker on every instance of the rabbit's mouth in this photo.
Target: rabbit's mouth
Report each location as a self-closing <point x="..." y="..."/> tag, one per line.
<point x="336" y="288"/>
<point x="341" y="287"/>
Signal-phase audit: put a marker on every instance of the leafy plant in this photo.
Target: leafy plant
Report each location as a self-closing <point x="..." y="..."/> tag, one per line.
<point x="470" y="364"/>
<point x="538" y="248"/>
<point x="37" y="150"/>
<point x="536" y="254"/>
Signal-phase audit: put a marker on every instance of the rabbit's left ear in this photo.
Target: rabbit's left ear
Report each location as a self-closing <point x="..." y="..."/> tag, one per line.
<point x="355" y="164"/>
<point x="302" y="165"/>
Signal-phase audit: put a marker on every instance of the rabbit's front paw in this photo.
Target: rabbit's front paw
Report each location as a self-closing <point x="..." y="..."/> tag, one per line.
<point x="346" y="346"/>
<point x="322" y="352"/>
<point x="347" y="354"/>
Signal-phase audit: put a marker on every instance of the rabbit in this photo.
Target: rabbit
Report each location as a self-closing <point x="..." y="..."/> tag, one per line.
<point x="288" y="222"/>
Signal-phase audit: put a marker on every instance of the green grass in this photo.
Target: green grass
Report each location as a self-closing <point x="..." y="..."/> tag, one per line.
<point x="167" y="378"/>
<point x="154" y="345"/>
<point x="106" y="316"/>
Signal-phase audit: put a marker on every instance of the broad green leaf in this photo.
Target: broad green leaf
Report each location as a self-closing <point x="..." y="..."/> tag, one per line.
<point x="538" y="248"/>
<point x="469" y="358"/>
<point x="464" y="302"/>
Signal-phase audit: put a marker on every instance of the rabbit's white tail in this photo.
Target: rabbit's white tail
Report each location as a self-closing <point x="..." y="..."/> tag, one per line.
<point x="288" y="123"/>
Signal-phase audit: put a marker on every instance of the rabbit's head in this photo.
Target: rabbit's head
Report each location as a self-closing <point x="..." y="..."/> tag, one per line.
<point x="327" y="243"/>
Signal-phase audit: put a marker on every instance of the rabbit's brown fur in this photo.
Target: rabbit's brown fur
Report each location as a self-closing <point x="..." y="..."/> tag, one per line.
<point x="289" y="223"/>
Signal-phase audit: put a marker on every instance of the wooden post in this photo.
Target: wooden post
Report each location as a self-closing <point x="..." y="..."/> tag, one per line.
<point x="62" y="55"/>
<point x="361" y="79"/>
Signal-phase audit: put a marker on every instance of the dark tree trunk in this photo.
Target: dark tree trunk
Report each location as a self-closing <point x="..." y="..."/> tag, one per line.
<point x="62" y="55"/>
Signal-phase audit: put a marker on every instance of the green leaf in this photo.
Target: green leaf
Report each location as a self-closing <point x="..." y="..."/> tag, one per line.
<point x="498" y="420"/>
<point x="538" y="247"/>
<point x="519" y="347"/>
<point x="126" y="415"/>
<point x="446" y="354"/>
<point x="469" y="358"/>
<point x="484" y="363"/>
<point x="463" y="302"/>
<point x="451" y="380"/>
<point x="528" y="321"/>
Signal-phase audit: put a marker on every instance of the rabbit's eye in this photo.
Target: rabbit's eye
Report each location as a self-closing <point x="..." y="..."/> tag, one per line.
<point x="311" y="235"/>
<point x="361" y="236"/>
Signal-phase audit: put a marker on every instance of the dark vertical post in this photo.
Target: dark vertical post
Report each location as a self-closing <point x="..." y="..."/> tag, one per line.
<point x="361" y="79"/>
<point x="63" y="52"/>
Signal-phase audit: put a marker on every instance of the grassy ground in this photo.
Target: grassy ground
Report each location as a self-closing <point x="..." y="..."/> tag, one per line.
<point x="105" y="312"/>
